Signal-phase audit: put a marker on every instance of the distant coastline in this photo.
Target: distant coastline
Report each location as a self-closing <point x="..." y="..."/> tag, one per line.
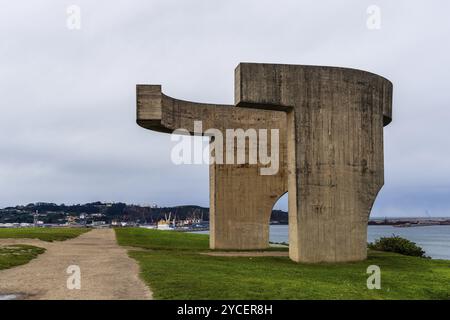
<point x="410" y="222"/>
<point x="117" y="213"/>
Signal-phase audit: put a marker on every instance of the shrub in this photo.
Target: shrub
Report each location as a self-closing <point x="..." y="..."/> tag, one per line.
<point x="398" y="245"/>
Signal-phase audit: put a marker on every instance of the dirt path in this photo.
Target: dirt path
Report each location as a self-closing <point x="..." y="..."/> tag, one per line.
<point x="106" y="270"/>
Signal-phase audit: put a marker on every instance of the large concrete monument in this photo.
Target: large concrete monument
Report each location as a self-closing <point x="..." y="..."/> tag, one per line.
<point x="330" y="122"/>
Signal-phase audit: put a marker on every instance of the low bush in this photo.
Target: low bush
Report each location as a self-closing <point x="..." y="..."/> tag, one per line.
<point x="398" y="245"/>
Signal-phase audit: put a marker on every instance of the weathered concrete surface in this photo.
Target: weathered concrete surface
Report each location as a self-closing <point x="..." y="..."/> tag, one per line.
<point x="331" y="151"/>
<point x="335" y="151"/>
<point x="241" y="200"/>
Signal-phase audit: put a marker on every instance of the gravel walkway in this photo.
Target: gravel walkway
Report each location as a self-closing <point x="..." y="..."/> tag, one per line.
<point x="106" y="270"/>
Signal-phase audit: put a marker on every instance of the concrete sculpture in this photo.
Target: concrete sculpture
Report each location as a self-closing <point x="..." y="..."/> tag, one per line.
<point x="330" y="122"/>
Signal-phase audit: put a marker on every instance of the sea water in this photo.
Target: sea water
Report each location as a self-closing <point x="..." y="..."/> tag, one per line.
<point x="435" y="240"/>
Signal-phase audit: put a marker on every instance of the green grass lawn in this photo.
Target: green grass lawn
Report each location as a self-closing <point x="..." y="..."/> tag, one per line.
<point x="45" y="234"/>
<point x="15" y="255"/>
<point x="160" y="240"/>
<point x="174" y="269"/>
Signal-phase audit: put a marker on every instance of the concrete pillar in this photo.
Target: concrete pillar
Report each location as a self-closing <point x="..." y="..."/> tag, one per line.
<point x="335" y="151"/>
<point x="241" y="199"/>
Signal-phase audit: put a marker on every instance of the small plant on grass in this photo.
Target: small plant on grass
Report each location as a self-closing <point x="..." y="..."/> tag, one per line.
<point x="398" y="245"/>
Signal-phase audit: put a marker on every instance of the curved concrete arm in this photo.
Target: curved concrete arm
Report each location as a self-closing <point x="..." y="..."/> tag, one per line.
<point x="158" y="112"/>
<point x="283" y="86"/>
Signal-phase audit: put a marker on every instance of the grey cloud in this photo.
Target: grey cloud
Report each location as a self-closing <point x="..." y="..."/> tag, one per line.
<point x="67" y="100"/>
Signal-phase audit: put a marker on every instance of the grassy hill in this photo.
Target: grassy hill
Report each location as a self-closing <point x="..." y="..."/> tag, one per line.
<point x="173" y="265"/>
<point x="15" y="255"/>
<point x="44" y="234"/>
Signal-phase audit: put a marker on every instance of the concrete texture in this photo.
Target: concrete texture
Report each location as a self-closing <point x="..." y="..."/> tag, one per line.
<point x="241" y="200"/>
<point x="331" y="155"/>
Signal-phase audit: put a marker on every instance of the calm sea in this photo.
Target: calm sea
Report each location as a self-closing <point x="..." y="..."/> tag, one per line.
<point x="435" y="240"/>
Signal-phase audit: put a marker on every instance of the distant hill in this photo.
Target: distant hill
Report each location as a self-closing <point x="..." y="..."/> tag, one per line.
<point x="54" y="213"/>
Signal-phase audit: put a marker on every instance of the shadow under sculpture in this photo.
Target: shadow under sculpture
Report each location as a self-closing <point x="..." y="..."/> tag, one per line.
<point x="330" y="122"/>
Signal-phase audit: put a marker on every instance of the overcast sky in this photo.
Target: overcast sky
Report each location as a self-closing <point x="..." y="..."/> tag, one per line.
<point x="67" y="97"/>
